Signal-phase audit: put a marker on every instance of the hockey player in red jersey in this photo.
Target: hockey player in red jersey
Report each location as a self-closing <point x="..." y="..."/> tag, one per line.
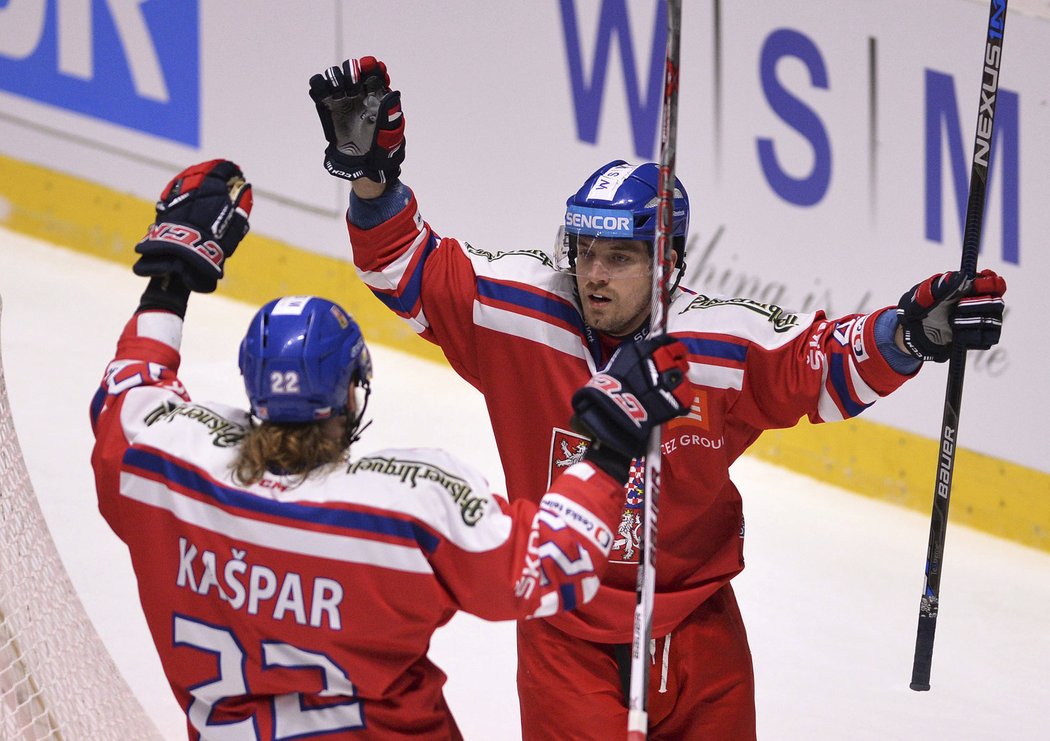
<point x="526" y="328"/>
<point x="292" y="590"/>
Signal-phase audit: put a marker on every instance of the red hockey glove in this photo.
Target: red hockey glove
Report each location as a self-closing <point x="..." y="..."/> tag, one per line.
<point x="641" y="388"/>
<point x="201" y="218"/>
<point x="362" y="120"/>
<point x="947" y="308"/>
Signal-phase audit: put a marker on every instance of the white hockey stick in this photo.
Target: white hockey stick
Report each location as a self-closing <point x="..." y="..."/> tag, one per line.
<point x="637" y="711"/>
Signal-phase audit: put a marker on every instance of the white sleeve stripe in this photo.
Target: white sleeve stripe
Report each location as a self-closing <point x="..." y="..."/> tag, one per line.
<point x="549" y="604"/>
<point x="569" y="566"/>
<point x="583" y="471"/>
<point x="590" y="586"/>
<point x="529" y="328"/>
<point x="716" y="376"/>
<point x="865" y="393"/>
<point x="161" y="326"/>
<point x="390" y="277"/>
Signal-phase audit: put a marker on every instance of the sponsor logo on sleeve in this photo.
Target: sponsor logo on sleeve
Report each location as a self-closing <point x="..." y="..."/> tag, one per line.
<point x="857" y="339"/>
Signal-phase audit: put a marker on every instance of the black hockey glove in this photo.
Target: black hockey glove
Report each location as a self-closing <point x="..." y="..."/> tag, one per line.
<point x="642" y="387"/>
<point x="948" y="307"/>
<point x="202" y="215"/>
<point x="362" y="120"/>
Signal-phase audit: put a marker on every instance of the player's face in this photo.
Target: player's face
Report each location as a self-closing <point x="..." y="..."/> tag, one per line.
<point x="614" y="279"/>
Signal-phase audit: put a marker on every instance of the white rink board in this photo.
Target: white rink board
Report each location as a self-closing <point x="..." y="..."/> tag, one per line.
<point x="494" y="145"/>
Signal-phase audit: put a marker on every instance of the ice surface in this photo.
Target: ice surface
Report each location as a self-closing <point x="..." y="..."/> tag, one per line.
<point x="830" y="595"/>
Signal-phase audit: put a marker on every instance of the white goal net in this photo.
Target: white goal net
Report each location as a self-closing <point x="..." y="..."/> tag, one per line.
<point x="57" y="681"/>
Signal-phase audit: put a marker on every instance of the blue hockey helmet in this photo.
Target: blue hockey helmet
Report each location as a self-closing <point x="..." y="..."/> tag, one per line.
<point x="298" y="359"/>
<point x="618" y="201"/>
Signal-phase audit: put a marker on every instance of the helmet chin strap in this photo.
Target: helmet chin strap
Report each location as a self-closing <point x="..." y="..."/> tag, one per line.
<point x="354" y="428"/>
<point x="680" y="271"/>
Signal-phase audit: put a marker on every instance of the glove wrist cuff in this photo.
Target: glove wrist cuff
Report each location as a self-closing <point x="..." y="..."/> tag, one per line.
<point x="166" y="292"/>
<point x="613" y="462"/>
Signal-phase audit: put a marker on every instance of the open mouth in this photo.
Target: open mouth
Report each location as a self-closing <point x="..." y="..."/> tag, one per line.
<point x="597" y="298"/>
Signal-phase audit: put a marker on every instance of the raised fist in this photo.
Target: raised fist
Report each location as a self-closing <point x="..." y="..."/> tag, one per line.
<point x="362" y="120"/>
<point x="202" y="215"/>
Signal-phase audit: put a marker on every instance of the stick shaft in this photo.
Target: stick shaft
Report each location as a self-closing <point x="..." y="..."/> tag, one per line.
<point x="982" y="149"/>
<point x="637" y="717"/>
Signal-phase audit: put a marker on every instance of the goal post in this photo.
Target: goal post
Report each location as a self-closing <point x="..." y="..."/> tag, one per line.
<point x="57" y="680"/>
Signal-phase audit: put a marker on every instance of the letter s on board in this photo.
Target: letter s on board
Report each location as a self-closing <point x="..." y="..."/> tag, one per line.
<point x="808" y="190"/>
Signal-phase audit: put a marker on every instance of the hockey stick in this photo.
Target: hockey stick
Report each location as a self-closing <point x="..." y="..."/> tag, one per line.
<point x="982" y="147"/>
<point x="637" y="711"/>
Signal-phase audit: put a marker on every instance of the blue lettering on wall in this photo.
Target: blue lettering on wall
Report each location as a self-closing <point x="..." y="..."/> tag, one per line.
<point x="942" y="118"/>
<point x="128" y="62"/>
<point x="587" y="97"/>
<point x="808" y="190"/>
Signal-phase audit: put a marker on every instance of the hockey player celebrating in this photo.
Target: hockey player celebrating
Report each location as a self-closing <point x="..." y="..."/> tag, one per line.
<point x="526" y="335"/>
<point x="291" y="590"/>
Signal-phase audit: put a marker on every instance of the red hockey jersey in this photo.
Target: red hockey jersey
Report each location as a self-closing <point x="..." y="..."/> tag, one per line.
<point x="509" y="323"/>
<point x="285" y="611"/>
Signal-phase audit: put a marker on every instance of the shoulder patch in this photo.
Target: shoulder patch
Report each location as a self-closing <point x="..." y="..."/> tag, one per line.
<point x="567" y="449"/>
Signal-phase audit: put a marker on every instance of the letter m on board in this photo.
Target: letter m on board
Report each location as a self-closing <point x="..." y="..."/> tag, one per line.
<point x="644" y="104"/>
<point x="942" y="120"/>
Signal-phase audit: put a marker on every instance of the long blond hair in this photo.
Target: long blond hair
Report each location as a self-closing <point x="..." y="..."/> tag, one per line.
<point x="297" y="450"/>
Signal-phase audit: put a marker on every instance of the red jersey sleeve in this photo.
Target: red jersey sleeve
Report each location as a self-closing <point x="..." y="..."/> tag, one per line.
<point x="427" y="280"/>
<point x="553" y="558"/>
<point x="141" y="377"/>
<point x="831" y="371"/>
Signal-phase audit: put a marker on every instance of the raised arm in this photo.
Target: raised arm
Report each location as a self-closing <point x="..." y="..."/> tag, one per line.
<point x="427" y="281"/>
<point x="201" y="217"/>
<point x="834" y="369"/>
